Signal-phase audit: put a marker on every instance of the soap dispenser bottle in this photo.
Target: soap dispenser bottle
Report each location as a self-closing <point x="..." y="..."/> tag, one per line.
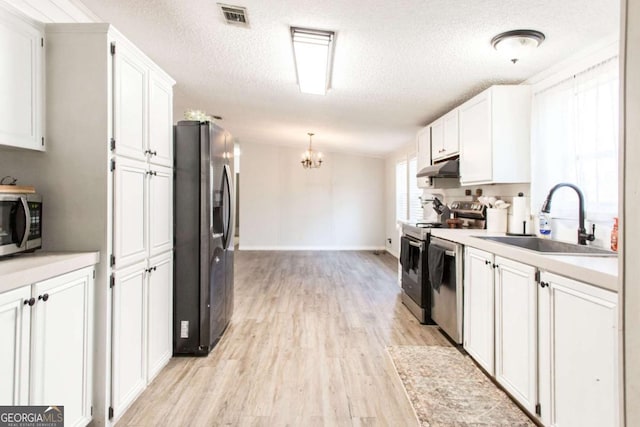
<point x="545" y="225"/>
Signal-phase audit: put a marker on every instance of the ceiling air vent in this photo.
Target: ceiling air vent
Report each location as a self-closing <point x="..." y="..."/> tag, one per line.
<point x="234" y="15"/>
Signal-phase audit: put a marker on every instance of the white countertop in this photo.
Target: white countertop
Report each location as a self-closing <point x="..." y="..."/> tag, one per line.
<point x="598" y="271"/>
<point x="26" y="269"/>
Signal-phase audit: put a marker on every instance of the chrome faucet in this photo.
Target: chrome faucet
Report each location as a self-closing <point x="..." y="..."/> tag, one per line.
<point x="583" y="236"/>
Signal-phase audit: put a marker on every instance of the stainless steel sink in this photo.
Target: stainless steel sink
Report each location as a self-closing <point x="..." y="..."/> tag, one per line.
<point x="549" y="247"/>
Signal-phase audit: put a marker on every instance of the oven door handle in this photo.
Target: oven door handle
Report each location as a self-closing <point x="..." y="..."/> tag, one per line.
<point x="415" y="245"/>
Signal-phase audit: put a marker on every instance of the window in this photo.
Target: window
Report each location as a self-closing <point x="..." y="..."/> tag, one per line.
<point x="408" y="203"/>
<point x="402" y="198"/>
<point x="575" y="139"/>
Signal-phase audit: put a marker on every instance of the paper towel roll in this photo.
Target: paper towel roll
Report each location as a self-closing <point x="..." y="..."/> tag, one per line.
<point x="520" y="209"/>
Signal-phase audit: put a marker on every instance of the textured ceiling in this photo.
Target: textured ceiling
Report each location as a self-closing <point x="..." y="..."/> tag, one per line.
<point x="398" y="64"/>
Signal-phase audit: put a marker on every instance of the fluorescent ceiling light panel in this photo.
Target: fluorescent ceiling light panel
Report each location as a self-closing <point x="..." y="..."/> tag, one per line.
<point x="313" y="51"/>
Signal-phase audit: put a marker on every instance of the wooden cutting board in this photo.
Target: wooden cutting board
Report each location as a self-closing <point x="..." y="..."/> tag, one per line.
<point x="22" y="189"/>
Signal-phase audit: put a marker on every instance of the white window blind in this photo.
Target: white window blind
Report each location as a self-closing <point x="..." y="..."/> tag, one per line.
<point x="415" y="205"/>
<point x="575" y="140"/>
<point x="402" y="200"/>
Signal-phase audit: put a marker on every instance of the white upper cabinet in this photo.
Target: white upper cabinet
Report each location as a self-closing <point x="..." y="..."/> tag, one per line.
<point x="437" y="139"/>
<point x="494" y="136"/>
<point x="160" y="149"/>
<point x="451" y="134"/>
<point x="21" y="81"/>
<point x="143" y="113"/>
<point x="444" y="136"/>
<point x="424" y="154"/>
<point x="424" y="147"/>
<point x="130" y="76"/>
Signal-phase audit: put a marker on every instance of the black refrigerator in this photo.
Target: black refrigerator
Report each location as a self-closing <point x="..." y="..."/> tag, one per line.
<point x="204" y="236"/>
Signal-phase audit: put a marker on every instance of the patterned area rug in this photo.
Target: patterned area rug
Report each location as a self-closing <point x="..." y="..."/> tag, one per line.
<point x="446" y="389"/>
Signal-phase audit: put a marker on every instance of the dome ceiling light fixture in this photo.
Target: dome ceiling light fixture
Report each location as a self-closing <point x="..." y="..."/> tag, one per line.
<point x="517" y="44"/>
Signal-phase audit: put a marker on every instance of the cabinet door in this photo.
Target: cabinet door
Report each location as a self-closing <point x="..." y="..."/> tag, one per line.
<point x="578" y="353"/>
<point x="21" y="82"/>
<point x="424" y="147"/>
<point x="129" y="103"/>
<point x="62" y="347"/>
<point x="128" y="374"/>
<point x="160" y="210"/>
<point x="475" y="140"/>
<point x="160" y="121"/>
<point x="424" y="154"/>
<point x="478" y="307"/>
<point x="516" y="330"/>
<point x="129" y="211"/>
<point x="450" y="137"/>
<point x="159" y="313"/>
<point x="437" y="140"/>
<point x="14" y="351"/>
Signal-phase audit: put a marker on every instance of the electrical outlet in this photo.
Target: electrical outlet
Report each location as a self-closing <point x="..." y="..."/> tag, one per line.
<point x="389" y="240"/>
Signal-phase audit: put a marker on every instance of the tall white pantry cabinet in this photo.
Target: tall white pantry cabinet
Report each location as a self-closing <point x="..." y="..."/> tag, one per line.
<point x="107" y="180"/>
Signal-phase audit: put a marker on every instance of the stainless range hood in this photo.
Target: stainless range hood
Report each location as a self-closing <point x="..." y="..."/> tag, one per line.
<point x="446" y="169"/>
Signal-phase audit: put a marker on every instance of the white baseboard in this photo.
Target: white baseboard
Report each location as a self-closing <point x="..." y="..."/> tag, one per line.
<point x="311" y="248"/>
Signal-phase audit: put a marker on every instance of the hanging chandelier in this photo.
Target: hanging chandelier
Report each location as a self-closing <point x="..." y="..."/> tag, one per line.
<point x="311" y="159"/>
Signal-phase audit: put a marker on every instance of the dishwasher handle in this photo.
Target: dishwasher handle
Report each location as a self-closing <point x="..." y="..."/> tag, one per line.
<point x="447" y="252"/>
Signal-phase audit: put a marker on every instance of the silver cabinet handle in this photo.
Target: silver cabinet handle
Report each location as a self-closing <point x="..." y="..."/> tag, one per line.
<point x="416" y="245"/>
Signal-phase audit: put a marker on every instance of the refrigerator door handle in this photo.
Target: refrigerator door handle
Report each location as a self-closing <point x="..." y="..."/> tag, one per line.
<point x="226" y="206"/>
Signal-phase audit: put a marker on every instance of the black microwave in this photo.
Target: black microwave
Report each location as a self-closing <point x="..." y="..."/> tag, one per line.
<point x="20" y="223"/>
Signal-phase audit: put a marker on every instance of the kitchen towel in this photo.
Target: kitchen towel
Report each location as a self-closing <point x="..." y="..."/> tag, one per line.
<point x="436" y="266"/>
<point x="404" y="253"/>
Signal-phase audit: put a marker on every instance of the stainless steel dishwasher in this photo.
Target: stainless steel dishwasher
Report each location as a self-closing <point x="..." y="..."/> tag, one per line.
<point x="446" y="299"/>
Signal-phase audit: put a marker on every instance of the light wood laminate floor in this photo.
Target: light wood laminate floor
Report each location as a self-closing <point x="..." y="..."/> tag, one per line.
<point x="305" y="347"/>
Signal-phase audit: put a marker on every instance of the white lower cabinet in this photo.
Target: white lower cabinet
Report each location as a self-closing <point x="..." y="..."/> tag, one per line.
<point x="160" y="305"/>
<point x="61" y="345"/>
<point x="128" y="336"/>
<point x="46" y="358"/>
<point x="14" y="353"/>
<point x="478" y="307"/>
<point x="516" y="330"/>
<point x="549" y="341"/>
<point x="142" y="327"/>
<point x="578" y="353"/>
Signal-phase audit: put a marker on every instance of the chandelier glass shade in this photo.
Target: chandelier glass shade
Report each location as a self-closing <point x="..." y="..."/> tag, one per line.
<point x="311" y="159"/>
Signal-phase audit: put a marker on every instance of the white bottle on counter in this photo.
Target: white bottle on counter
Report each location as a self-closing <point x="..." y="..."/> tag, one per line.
<point x="545" y="225"/>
